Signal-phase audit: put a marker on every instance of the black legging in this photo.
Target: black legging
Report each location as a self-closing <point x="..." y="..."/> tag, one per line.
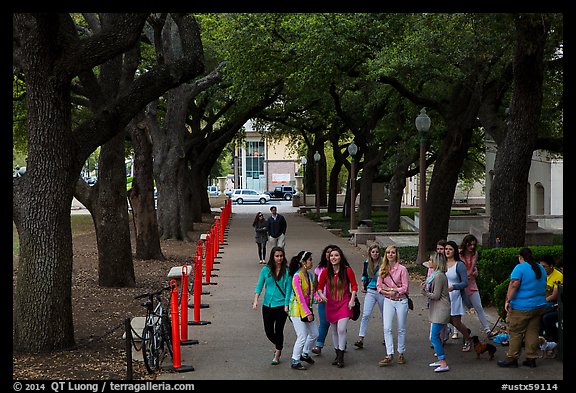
<point x="274" y="321"/>
<point x="262" y="251"/>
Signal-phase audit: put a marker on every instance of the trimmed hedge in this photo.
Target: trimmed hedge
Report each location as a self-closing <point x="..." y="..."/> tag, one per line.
<point x="495" y="266"/>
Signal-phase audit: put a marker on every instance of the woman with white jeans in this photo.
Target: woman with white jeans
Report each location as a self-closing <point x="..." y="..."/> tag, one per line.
<point x="393" y="284"/>
<point x="300" y="309"/>
<point x="469" y="256"/>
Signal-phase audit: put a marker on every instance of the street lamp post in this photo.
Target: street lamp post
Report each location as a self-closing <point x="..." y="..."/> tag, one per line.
<point x="422" y="125"/>
<point x="304" y="161"/>
<point x="353" y="150"/>
<point x="317" y="160"/>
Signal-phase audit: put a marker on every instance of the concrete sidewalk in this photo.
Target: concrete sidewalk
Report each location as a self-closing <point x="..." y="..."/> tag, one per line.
<point x="233" y="345"/>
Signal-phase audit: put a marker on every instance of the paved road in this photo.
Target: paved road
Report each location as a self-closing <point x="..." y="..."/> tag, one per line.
<point x="234" y="347"/>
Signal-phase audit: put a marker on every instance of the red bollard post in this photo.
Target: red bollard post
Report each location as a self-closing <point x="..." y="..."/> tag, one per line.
<point x="214" y="236"/>
<point x="176" y="356"/>
<point x="197" y="291"/>
<point x="209" y="251"/>
<point x="184" y="310"/>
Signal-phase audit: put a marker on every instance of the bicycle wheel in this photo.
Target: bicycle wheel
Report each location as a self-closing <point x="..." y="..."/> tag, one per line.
<point x="167" y="333"/>
<point x="150" y="350"/>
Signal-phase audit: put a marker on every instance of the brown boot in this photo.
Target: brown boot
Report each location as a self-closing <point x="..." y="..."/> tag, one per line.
<point x="340" y="360"/>
<point x="335" y="362"/>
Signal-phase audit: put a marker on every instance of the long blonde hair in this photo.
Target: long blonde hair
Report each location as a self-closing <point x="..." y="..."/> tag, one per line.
<point x="385" y="266"/>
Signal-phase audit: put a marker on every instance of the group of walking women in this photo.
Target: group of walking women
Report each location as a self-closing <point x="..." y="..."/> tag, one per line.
<point x="291" y="290"/>
<point x="293" y="287"/>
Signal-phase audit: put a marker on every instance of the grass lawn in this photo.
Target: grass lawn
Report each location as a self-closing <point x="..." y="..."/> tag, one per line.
<point x="81" y="224"/>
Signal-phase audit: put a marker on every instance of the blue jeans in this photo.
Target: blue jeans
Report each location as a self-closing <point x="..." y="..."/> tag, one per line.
<point x="324" y="325"/>
<point x="435" y="331"/>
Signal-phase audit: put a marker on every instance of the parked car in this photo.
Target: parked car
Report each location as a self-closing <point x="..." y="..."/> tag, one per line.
<point x="241" y="196"/>
<point x="213" y="191"/>
<point x="282" y="192"/>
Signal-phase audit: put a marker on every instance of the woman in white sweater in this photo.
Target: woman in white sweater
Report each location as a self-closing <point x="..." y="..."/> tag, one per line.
<point x="435" y="288"/>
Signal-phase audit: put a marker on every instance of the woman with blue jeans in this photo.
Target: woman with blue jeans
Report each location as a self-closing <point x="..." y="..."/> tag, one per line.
<point x="324" y="325"/>
<point x="435" y="288"/>
<point x="372" y="297"/>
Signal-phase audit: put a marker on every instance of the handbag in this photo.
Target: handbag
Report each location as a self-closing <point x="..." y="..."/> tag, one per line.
<point x="356" y="309"/>
<point x="410" y="303"/>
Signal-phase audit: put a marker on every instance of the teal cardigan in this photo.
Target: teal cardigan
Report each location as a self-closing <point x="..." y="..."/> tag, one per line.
<point x="273" y="297"/>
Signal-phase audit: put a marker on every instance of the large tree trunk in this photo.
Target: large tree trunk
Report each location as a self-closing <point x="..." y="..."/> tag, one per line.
<point x="41" y="213"/>
<point x="443" y="183"/>
<point x="397" y="185"/>
<point x="508" y="198"/>
<point x="141" y="195"/>
<point x="49" y="53"/>
<point x="110" y="214"/>
<point x="333" y="187"/>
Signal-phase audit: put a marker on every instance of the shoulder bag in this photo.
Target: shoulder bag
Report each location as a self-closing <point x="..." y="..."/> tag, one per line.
<point x="356" y="307"/>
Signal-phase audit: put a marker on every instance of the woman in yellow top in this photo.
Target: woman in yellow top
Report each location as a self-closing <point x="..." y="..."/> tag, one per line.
<point x="300" y="310"/>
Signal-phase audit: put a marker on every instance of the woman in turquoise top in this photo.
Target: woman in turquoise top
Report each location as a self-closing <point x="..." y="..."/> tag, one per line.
<point x="276" y="298"/>
<point x="372" y="297"/>
<point x="525" y="302"/>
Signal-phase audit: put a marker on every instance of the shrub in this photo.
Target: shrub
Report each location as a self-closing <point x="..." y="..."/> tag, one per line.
<point x="496" y="264"/>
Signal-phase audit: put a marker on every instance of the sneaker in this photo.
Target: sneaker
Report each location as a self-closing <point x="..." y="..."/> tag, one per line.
<point x="386" y="361"/>
<point x="441" y="369"/>
<point x="455" y="336"/>
<point x="359" y="344"/>
<point x="297" y="366"/>
<point x="401" y="359"/>
<point x="307" y="359"/>
<point x="317" y="350"/>
<point x="434" y="364"/>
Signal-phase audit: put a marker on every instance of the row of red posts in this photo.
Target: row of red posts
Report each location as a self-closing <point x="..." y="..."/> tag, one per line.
<point x="207" y="249"/>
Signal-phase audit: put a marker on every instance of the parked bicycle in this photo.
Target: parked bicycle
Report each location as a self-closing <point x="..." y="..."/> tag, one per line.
<point x="157" y="332"/>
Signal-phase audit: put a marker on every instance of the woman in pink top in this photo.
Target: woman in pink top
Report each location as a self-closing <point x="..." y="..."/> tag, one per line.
<point x="341" y="288"/>
<point x="469" y="256"/>
<point x="393" y="284"/>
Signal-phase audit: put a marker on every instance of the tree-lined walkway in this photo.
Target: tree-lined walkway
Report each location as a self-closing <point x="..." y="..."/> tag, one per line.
<point x="234" y="347"/>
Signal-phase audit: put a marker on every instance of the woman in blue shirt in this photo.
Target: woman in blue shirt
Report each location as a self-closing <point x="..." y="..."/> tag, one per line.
<point x="276" y="298"/>
<point x="372" y="297"/>
<point x="525" y="303"/>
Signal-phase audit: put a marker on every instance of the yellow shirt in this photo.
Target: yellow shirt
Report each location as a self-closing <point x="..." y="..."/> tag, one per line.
<point x="552" y="281"/>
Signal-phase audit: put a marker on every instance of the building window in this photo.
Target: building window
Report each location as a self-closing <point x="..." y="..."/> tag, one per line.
<point x="254" y="174"/>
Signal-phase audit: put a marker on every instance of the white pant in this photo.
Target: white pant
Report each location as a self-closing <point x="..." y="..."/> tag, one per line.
<point x="370" y="300"/>
<point x="276" y="241"/>
<point x="400" y="309"/>
<point x="306" y="333"/>
<point x="477" y="304"/>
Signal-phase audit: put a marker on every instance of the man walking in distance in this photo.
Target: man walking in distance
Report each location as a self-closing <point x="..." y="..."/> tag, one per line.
<point x="276" y="228"/>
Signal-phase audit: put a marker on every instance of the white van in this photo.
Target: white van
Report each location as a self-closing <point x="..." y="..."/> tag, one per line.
<point x="213" y="191"/>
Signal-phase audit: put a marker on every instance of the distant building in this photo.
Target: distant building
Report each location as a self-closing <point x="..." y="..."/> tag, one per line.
<point x="261" y="165"/>
<point x="545" y="182"/>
